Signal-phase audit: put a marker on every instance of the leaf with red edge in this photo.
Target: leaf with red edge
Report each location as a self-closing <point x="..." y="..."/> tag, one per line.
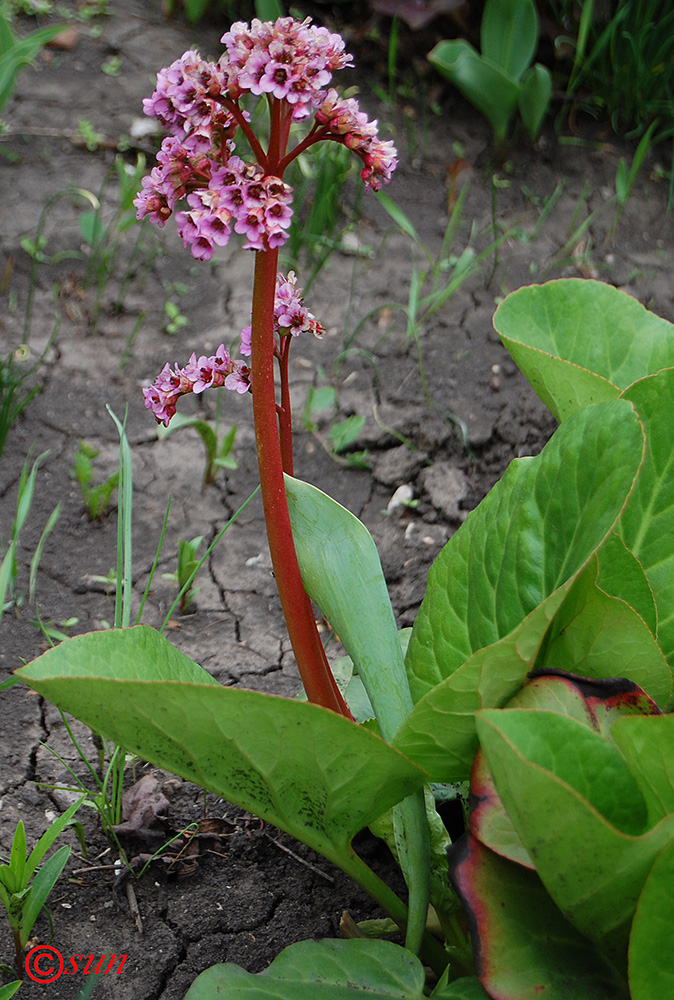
<point x="489" y="822"/>
<point x="524" y="947"/>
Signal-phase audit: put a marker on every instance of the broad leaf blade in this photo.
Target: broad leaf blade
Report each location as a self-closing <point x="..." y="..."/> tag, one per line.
<point x="377" y="970"/>
<point x="580" y="341"/>
<point x="647" y="743"/>
<point x="593" y="871"/>
<point x="342" y="573"/>
<point x="308" y="771"/>
<point x="439" y="734"/>
<point x="483" y="83"/>
<point x="647" y="526"/>
<point x="509" y="35"/>
<point x="524" y="948"/>
<point x="600" y="636"/>
<point x="531" y="534"/>
<point x="651" y="958"/>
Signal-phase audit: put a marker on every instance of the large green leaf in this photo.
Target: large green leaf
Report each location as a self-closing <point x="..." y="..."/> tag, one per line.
<point x="647" y="743"/>
<point x="439" y="734"/>
<point x="597" y="635"/>
<point x="524" y="948"/>
<point x="534" y="531"/>
<point x="651" y="957"/>
<point x="481" y="81"/>
<point x="647" y="526"/>
<point x="595" y="705"/>
<point x="305" y="769"/>
<point x="326" y="970"/>
<point x="509" y="35"/>
<point x="580" y="342"/>
<point x="342" y="573"/>
<point x="593" y="870"/>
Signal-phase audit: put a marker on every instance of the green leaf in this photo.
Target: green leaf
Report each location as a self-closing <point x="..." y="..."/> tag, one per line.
<point x="509" y="35"/>
<point x="596" y="635"/>
<point x="524" y="948"/>
<point x="647" y="526"/>
<point x="482" y="82"/>
<point x="534" y="99"/>
<point x="439" y="734"/>
<point x="489" y="821"/>
<point x="308" y="771"/>
<point x="577" y="756"/>
<point x="467" y="988"/>
<point x="580" y="341"/>
<point x="593" y="871"/>
<point x="534" y="531"/>
<point x="622" y="575"/>
<point x="41" y="886"/>
<point x="342" y="573"/>
<point x="646" y="743"/>
<point x="651" y="959"/>
<point x="378" y="970"/>
<point x="18" y="856"/>
<point x="8" y="991"/>
<point x="50" y="835"/>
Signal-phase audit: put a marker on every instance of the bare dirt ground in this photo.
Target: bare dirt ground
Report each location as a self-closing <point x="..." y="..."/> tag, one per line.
<point x="448" y="433"/>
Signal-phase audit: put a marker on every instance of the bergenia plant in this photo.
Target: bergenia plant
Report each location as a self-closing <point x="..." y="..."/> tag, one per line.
<point x="212" y="191"/>
<point x="538" y="674"/>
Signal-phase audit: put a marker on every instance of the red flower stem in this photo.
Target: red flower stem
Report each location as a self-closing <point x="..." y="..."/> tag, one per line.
<point x="315" y="672"/>
<point x="240" y="118"/>
<point x="285" y="411"/>
<point x="317" y="134"/>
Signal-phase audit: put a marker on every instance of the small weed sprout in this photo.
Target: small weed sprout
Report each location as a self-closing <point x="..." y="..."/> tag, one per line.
<point x="25" y="883"/>
<point x="185" y="574"/>
<point x="96" y="497"/>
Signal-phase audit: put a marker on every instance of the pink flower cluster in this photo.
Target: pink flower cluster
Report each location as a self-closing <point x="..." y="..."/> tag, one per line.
<point x="289" y="59"/>
<point x="346" y="123"/>
<point x="291" y="316"/>
<point x="197" y="375"/>
<point x="196" y="101"/>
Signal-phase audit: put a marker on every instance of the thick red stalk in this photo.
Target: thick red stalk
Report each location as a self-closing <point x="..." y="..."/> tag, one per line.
<point x="315" y="672"/>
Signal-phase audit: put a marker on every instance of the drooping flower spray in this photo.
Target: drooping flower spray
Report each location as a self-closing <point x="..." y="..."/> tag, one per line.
<point x="213" y="192"/>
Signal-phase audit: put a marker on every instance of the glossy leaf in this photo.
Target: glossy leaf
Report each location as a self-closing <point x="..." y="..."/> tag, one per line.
<point x="596" y="705"/>
<point x="651" y="957"/>
<point x="534" y="98"/>
<point x="524" y="947"/>
<point x="534" y="531"/>
<point x="310" y="772"/>
<point x="580" y="341"/>
<point x="439" y="734"/>
<point x="489" y="822"/>
<point x="482" y="82"/>
<point x="377" y="970"/>
<point x="648" y="746"/>
<point x="597" y="635"/>
<point x="593" y="870"/>
<point x="647" y="526"/>
<point x="622" y="575"/>
<point x="342" y="573"/>
<point x="509" y="35"/>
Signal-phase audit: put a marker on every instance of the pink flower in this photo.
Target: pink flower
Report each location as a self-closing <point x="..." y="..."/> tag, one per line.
<point x="198" y="375"/>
